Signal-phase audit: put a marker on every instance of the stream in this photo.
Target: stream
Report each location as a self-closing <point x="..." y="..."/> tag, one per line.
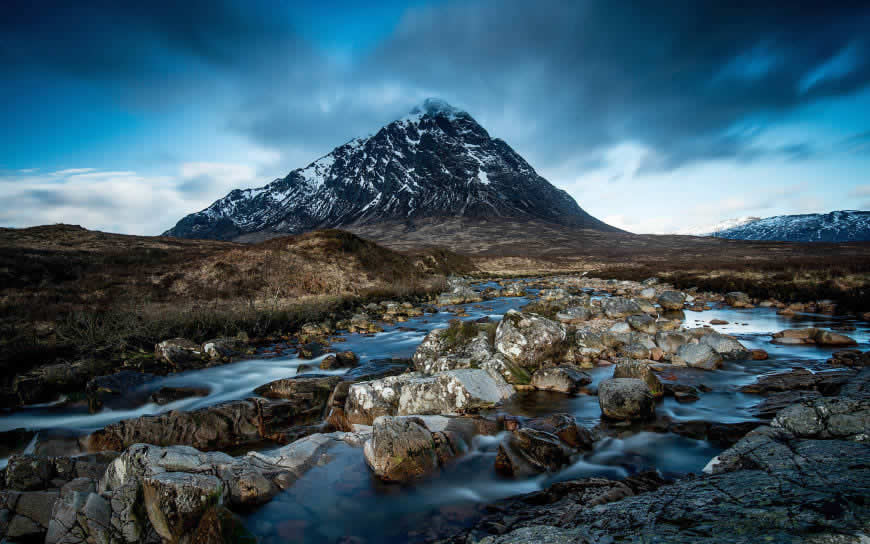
<point x="340" y="499"/>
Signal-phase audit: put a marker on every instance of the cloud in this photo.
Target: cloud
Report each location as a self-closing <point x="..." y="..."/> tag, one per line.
<point x="117" y="201"/>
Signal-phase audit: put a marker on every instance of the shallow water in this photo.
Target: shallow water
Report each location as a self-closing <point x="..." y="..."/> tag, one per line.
<point x="342" y="499"/>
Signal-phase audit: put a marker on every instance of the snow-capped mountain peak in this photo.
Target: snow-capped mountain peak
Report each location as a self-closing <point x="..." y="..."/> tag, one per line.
<point x="437" y="161"/>
<point x="710" y="230"/>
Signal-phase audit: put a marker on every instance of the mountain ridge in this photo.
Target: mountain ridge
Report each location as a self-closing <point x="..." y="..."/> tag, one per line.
<point x="835" y="226"/>
<point x="436" y="161"/>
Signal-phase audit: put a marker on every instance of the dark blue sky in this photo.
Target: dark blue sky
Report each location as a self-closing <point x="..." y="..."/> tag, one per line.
<point x="655" y="116"/>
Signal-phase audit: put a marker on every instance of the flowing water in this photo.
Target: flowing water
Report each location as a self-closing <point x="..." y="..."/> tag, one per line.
<point x="341" y="499"/>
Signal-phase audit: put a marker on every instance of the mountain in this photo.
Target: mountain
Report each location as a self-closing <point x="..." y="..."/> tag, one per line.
<point x="711" y="230"/>
<point x="838" y="226"/>
<point x="436" y="162"/>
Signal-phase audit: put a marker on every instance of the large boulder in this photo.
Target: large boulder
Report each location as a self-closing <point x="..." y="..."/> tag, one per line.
<point x="626" y="399"/>
<point x="123" y="384"/>
<point x="541" y="444"/>
<point x="827" y="418"/>
<point x="176" y="501"/>
<point x="368" y="400"/>
<point x="642" y="371"/>
<point x="726" y="346"/>
<point x="453" y="392"/>
<point x="698" y="356"/>
<point x="563" y="379"/>
<point x="405" y="448"/>
<point x="447" y="349"/>
<point x="671" y="342"/>
<point x="672" y="300"/>
<point x="528" y="340"/>
<point x="618" y="307"/>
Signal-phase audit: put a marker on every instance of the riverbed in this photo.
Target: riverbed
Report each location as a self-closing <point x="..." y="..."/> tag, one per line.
<point x="340" y="499"/>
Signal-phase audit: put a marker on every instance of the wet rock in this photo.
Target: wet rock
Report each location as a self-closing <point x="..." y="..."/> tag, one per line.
<point x="672" y="300"/>
<point x="181" y="353"/>
<point x="304" y="399"/>
<point x="618" y="307"/>
<point x="648" y="293"/>
<point x="81" y="517"/>
<point x="800" y="379"/>
<point x="167" y="395"/>
<point x="28" y="472"/>
<point x="121" y="384"/>
<point x="738" y="299"/>
<point x="681" y="392"/>
<point x="640" y="370"/>
<point x="812" y="336"/>
<point x="529" y="451"/>
<point x="406" y="448"/>
<point x="850" y="358"/>
<point x="441" y="351"/>
<point x="28" y="514"/>
<point x="775" y="402"/>
<point x="827" y="418"/>
<point x="698" y="356"/>
<point x="344" y="359"/>
<point x="216" y="427"/>
<point x="223" y="348"/>
<point x="528" y="340"/>
<point x="47" y="383"/>
<point x="758" y="355"/>
<point x="726" y="346"/>
<point x="453" y="392"/>
<point x="563" y="379"/>
<point x="515" y="289"/>
<point x="635" y="351"/>
<point x="625" y="399"/>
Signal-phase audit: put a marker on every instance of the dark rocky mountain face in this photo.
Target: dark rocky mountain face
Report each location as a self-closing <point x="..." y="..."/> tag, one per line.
<point x="435" y="162"/>
<point x="838" y="226"/>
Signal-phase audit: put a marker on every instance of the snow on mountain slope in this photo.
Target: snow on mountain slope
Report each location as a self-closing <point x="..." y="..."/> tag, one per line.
<point x="838" y="226"/>
<point x="437" y="161"/>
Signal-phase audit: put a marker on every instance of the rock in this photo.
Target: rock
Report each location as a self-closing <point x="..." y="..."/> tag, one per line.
<point x="563" y="379"/>
<point x="366" y="401"/>
<point x="648" y="293"/>
<point x="698" y="356"/>
<point x="681" y="392"/>
<point x="28" y="472"/>
<point x="176" y="501"/>
<point x="439" y="352"/>
<point x="215" y="427"/>
<point x="775" y="402"/>
<point x="179" y="352"/>
<point x="850" y="358"/>
<point x="672" y="300"/>
<point x="515" y="289"/>
<point x="620" y="328"/>
<point x="642" y="371"/>
<point x="81" y="516"/>
<point x="28" y="514"/>
<point x="726" y="346"/>
<point x="812" y="336"/>
<point x="345" y="359"/>
<point x="124" y="383"/>
<point x="718" y="322"/>
<point x="758" y="355"/>
<point x="453" y="392"/>
<point x="800" y="379"/>
<point x="827" y="418"/>
<point x="306" y="397"/>
<point x="625" y="398"/>
<point x="642" y="323"/>
<point x="635" y="351"/>
<point x="223" y="348"/>
<point x="574" y="315"/>
<point x="671" y="342"/>
<point x="46" y="383"/>
<point x="220" y="526"/>
<point x="618" y="307"/>
<point x="528" y="340"/>
<point x="406" y="448"/>
<point x="738" y="299"/>
<point x="167" y="395"/>
<point x="529" y="451"/>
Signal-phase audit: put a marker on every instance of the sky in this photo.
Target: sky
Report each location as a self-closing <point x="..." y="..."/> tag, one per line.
<point x="656" y="117"/>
